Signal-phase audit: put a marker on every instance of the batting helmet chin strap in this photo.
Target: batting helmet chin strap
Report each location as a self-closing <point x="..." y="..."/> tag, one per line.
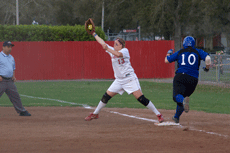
<point x="143" y="100"/>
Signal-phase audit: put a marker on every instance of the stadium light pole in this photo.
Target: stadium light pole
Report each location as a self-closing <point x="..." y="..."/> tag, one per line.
<point x="102" y="16"/>
<point x="17" y="13"/>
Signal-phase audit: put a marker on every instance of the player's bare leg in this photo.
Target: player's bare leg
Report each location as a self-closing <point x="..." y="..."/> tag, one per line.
<point x="104" y="100"/>
<point x="141" y="98"/>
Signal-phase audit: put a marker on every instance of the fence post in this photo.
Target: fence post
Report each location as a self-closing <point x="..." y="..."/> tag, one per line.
<point x="108" y="34"/>
<point x="218" y="68"/>
<point x="139" y="33"/>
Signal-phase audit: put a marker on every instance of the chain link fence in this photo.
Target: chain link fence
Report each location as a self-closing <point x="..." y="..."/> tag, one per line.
<point x="219" y="70"/>
<point x="125" y="36"/>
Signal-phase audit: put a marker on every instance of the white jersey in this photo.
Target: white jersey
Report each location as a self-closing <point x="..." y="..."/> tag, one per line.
<point x="121" y="65"/>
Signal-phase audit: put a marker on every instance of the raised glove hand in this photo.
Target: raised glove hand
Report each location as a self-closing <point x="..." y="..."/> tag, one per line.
<point x="205" y="69"/>
<point x="170" y="52"/>
<point x="89" y="26"/>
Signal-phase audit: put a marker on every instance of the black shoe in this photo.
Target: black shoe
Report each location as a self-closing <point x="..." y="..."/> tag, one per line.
<point x="26" y="113"/>
<point x="176" y="120"/>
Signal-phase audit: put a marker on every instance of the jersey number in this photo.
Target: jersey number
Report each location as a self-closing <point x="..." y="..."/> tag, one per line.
<point x="189" y="59"/>
<point x="121" y="61"/>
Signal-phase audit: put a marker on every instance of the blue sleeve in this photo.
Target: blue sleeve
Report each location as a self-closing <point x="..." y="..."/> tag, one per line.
<point x="173" y="57"/>
<point x="202" y="53"/>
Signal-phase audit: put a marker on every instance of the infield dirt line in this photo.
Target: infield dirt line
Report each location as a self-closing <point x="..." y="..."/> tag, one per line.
<point x="130" y="116"/>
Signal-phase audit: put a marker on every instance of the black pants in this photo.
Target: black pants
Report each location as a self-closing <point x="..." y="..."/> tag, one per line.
<point x="183" y="84"/>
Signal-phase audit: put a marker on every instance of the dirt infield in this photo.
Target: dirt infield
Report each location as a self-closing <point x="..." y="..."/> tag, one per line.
<point x="63" y="129"/>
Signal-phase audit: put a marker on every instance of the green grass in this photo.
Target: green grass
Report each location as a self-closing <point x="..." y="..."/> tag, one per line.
<point x="206" y="98"/>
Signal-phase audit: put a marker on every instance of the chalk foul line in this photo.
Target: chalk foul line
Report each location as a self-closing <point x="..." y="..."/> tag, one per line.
<point x="57" y="100"/>
<point x="168" y="124"/>
<point x="131" y="116"/>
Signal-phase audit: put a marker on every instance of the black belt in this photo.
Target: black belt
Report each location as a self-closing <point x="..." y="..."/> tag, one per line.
<point x="6" y="78"/>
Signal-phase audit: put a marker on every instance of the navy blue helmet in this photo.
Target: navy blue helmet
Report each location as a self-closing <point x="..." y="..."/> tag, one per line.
<point x="189" y="41"/>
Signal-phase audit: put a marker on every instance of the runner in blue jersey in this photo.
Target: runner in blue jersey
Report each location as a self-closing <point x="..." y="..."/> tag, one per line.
<point x="185" y="81"/>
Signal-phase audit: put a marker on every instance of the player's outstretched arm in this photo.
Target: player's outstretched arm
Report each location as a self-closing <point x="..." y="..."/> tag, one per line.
<point x="98" y="39"/>
<point x="116" y="53"/>
<point x="105" y="46"/>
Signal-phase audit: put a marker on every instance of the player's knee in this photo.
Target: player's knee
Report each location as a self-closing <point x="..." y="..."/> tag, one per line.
<point x="143" y="100"/>
<point x="105" y="98"/>
<point x="178" y="98"/>
<point x="178" y="103"/>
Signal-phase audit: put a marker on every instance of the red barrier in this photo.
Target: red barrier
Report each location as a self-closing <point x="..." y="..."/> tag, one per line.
<point x="87" y="60"/>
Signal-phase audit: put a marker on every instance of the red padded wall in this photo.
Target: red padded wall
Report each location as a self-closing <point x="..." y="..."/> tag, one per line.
<point x="87" y="60"/>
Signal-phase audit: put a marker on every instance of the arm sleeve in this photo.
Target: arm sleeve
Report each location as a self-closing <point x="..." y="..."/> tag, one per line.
<point x="173" y="57"/>
<point x="203" y="54"/>
<point x="125" y="53"/>
<point x="108" y="51"/>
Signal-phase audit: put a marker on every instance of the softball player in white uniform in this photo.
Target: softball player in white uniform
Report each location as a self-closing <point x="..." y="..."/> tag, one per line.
<point x="125" y="78"/>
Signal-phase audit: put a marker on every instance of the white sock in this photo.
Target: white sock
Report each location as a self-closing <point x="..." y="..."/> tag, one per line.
<point x="153" y="108"/>
<point x="99" y="107"/>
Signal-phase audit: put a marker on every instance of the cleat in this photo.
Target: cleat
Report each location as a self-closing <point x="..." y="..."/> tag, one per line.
<point x="26" y="113"/>
<point x="160" y="118"/>
<point x="176" y="120"/>
<point x="186" y="104"/>
<point x="91" y="116"/>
